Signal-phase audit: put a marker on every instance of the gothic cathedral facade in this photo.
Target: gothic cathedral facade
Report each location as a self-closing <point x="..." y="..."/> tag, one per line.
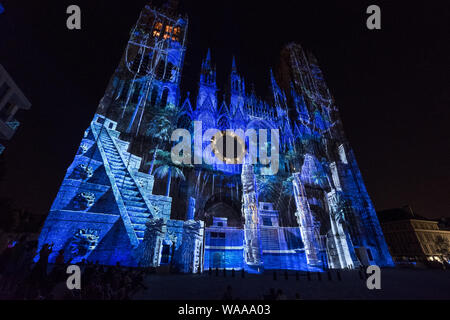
<point x="124" y="201"/>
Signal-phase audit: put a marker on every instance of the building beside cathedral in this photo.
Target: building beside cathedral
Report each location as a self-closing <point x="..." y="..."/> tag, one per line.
<point x="124" y="200"/>
<point x="12" y="100"/>
<point x="414" y="238"/>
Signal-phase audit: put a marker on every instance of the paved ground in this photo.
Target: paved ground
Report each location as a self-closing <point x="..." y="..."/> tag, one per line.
<point x="395" y="284"/>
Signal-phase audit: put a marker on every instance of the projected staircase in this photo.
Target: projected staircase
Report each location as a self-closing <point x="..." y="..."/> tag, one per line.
<point x="270" y="239"/>
<point x="134" y="208"/>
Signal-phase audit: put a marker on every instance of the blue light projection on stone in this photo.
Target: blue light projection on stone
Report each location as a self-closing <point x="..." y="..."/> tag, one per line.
<point x="123" y="199"/>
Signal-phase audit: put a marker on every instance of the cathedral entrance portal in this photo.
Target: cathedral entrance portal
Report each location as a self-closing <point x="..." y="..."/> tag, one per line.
<point x="224" y="206"/>
<point x="224" y="232"/>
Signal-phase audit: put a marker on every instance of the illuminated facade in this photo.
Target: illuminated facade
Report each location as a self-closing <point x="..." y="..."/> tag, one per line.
<point x="124" y="200"/>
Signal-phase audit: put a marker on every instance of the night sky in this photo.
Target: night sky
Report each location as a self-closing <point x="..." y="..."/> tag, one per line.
<point x="391" y="85"/>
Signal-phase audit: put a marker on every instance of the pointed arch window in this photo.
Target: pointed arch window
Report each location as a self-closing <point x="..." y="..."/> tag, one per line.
<point x="153" y="96"/>
<point x="208" y="104"/>
<point x="157" y="29"/>
<point x="136" y="93"/>
<point x="144" y="68"/>
<point x="125" y="89"/>
<point x="164" y="97"/>
<point x="136" y="63"/>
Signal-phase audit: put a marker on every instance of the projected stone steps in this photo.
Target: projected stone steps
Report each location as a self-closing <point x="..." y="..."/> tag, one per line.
<point x="135" y="205"/>
<point x="269" y="239"/>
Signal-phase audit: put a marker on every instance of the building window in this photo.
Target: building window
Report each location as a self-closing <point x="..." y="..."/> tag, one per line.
<point x="136" y="93"/>
<point x="217" y="235"/>
<point x="144" y="68"/>
<point x="164" y="97"/>
<point x="172" y="33"/>
<point x="342" y="154"/>
<point x="157" y="29"/>
<point x="267" y="221"/>
<point x="153" y="96"/>
<point x="220" y="224"/>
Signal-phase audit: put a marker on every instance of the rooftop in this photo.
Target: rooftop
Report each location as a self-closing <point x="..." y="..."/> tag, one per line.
<point x="397" y="214"/>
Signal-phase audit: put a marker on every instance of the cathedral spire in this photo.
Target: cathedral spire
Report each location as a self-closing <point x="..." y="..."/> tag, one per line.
<point x="208" y="55"/>
<point x="207" y="93"/>
<point x="275" y="89"/>
<point x="235" y="78"/>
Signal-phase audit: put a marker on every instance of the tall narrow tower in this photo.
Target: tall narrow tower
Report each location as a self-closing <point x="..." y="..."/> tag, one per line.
<point x="237" y="91"/>
<point x="207" y="92"/>
<point x="148" y="75"/>
<point x="105" y="204"/>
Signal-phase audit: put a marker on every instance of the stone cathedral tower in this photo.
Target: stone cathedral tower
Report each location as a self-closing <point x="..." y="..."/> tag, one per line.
<point x="124" y="200"/>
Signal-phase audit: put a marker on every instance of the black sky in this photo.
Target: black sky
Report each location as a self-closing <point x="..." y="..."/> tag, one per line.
<point x="391" y="85"/>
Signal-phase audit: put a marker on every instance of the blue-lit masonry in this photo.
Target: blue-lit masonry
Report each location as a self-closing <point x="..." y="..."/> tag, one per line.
<point x="124" y="200"/>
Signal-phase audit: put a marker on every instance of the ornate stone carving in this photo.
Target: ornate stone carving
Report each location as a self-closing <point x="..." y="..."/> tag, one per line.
<point x="84" y="200"/>
<point x="85" y="171"/>
<point x="152" y="243"/>
<point x="337" y="234"/>
<point x="309" y="227"/>
<point x="83" y="242"/>
<point x="191" y="247"/>
<point x="84" y="148"/>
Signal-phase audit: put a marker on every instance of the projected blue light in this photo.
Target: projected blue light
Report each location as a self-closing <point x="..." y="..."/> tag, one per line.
<point x="123" y="200"/>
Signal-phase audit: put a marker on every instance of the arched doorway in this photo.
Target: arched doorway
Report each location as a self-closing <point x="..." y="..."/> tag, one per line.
<point x="225" y="206"/>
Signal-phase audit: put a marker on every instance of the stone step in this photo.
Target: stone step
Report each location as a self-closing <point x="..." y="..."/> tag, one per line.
<point x="125" y="184"/>
<point x="139" y="227"/>
<point x="125" y="187"/>
<point x="139" y="204"/>
<point x="139" y="234"/>
<point x="138" y="214"/>
<point x="114" y="157"/>
<point x="117" y="168"/>
<point x="121" y="178"/>
<point x="110" y="150"/>
<point x="127" y="197"/>
<point x="139" y="220"/>
<point x="116" y="162"/>
<point x="130" y="193"/>
<point x="137" y="209"/>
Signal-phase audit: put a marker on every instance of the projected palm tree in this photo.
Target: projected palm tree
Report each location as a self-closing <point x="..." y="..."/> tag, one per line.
<point x="161" y="131"/>
<point x="171" y="172"/>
